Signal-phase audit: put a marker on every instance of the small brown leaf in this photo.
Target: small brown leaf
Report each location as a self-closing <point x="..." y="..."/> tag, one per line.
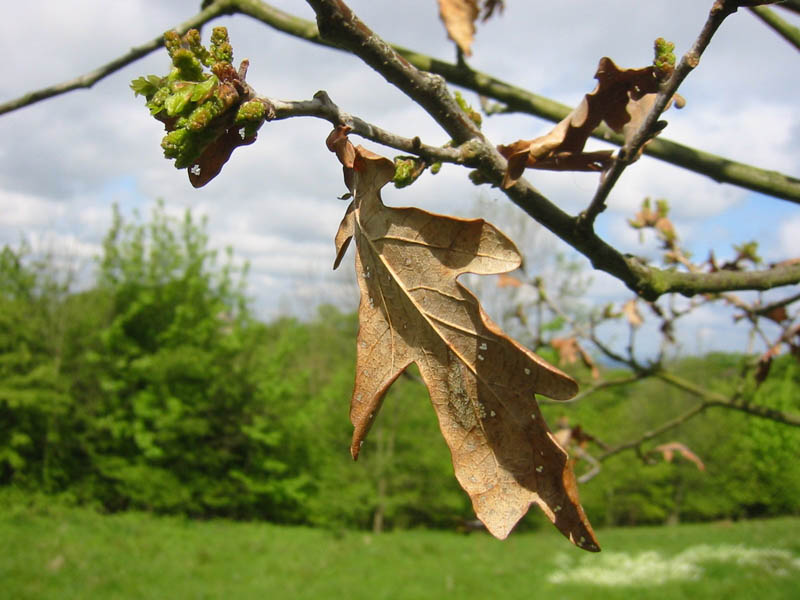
<point x="459" y="18"/>
<point x="631" y="311"/>
<point x="481" y="382"/>
<point x="338" y="143"/>
<point x="622" y="98"/>
<point x="569" y="349"/>
<point x="668" y="450"/>
<point x="506" y="280"/>
<point x="210" y="162"/>
<point x="777" y="314"/>
<point x="765" y="363"/>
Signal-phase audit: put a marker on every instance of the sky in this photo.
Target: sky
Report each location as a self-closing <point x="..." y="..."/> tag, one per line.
<point x="64" y="162"/>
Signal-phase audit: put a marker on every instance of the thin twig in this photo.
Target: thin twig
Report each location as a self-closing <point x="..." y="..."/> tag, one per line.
<point x="648" y="435"/>
<point x="715" y="399"/>
<point x="608" y="384"/>
<point x="768" y="308"/>
<point x="339" y="25"/>
<point x="324" y="108"/>
<point x="630" y="152"/>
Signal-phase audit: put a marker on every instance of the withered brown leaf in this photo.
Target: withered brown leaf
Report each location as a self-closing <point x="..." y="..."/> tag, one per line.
<point x="622" y="98"/>
<point x="209" y="164"/>
<point x="668" y="451"/>
<point x="481" y="382"/>
<point x="569" y="350"/>
<point x="631" y="311"/>
<point x="505" y="280"/>
<point x="459" y="18"/>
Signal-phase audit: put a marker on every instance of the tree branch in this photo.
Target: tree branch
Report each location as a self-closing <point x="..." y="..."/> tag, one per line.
<point x="323" y="107"/>
<point x="720" y="169"/>
<point x="782" y="27"/>
<point x="340" y="26"/>
<point x="344" y="30"/>
<point x="709" y="399"/>
<point x="714" y="399"/>
<point x="648" y="435"/>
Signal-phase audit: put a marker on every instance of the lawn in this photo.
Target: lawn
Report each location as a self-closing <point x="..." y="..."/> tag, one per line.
<point x="69" y="553"/>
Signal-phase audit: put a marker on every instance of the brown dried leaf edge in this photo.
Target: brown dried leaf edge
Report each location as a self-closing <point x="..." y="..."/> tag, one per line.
<point x="622" y="98"/>
<point x="481" y="382"/>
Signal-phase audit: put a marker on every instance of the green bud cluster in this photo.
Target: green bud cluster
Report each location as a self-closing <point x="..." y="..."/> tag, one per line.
<point x="221" y="48"/>
<point x="664" y="59"/>
<point x="250" y="117"/>
<point x="201" y="97"/>
<point x="404" y="171"/>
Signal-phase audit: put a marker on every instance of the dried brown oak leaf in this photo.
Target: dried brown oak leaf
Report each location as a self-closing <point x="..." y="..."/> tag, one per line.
<point x="481" y="382"/>
<point x="459" y="18"/>
<point x="622" y="99"/>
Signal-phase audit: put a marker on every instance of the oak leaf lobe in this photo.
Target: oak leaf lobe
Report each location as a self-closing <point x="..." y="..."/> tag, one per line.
<point x="481" y="382"/>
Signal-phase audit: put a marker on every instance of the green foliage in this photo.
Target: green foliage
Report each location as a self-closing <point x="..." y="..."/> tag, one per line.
<point x="156" y="389"/>
<point x="33" y="319"/>
<point x="751" y="463"/>
<point x="197" y="107"/>
<point x="664" y="59"/>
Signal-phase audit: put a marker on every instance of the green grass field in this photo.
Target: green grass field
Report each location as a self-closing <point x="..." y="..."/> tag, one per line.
<point x="74" y="553"/>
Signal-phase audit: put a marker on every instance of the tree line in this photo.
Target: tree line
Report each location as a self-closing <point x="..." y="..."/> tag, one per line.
<point x="156" y="388"/>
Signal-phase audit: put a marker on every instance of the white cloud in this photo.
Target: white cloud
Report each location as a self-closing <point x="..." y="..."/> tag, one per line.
<point x="789" y="235"/>
<point x="28" y="211"/>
